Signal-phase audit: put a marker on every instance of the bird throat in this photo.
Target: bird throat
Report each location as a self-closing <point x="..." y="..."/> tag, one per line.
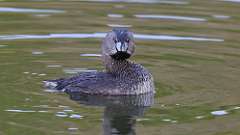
<point x="116" y="67"/>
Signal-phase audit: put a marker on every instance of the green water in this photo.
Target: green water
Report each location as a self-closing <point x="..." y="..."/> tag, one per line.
<point x="193" y="79"/>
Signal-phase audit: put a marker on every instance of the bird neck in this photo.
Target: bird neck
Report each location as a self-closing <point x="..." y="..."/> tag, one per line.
<point x="116" y="67"/>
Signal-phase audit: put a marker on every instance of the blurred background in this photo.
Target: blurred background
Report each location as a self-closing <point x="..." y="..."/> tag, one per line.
<point x="190" y="46"/>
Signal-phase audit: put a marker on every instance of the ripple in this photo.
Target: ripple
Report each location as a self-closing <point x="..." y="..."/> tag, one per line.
<point x="39" y="74"/>
<point x="166" y="120"/>
<point x="50" y="84"/>
<point x="223" y="17"/>
<point x="52" y="90"/>
<point x="19" y="111"/>
<point x="42" y="74"/>
<point x="200" y="117"/>
<point x="170" y="17"/>
<point x="68" y="110"/>
<point x="77" y="70"/>
<point x="115" y="15"/>
<point x="61" y="114"/>
<point x="142" y="119"/>
<point x="29" y="10"/>
<point x="63" y="106"/>
<point x="119" y="25"/>
<point x="26" y="72"/>
<point x="72" y="129"/>
<point x="236" y="108"/>
<point x="75" y="116"/>
<point x="236" y="1"/>
<point x="91" y="55"/>
<point x="42" y="15"/>
<point x="102" y="35"/>
<point x="54" y="66"/>
<point x="42" y="111"/>
<point x="41" y="106"/>
<point x="179" y="2"/>
<point x="37" y="53"/>
<point x="45" y="106"/>
<point x="219" y="113"/>
<point x="2" y="46"/>
<point x="176" y="38"/>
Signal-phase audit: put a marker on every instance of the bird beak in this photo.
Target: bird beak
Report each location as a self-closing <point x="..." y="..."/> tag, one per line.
<point x="121" y="47"/>
<point x="121" y="51"/>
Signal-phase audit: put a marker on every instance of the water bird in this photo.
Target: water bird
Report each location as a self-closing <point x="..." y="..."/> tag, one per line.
<point x="121" y="76"/>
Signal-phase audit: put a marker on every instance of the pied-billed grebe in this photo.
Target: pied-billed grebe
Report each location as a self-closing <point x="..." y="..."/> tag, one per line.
<point x="121" y="77"/>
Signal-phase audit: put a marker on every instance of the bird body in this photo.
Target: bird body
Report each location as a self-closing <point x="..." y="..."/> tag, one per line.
<point x="121" y="77"/>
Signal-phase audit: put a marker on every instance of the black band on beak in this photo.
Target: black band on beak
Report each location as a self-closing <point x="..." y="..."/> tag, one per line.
<point x="120" y="55"/>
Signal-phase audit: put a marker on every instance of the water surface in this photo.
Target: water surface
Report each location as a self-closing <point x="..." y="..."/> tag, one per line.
<point x="195" y="64"/>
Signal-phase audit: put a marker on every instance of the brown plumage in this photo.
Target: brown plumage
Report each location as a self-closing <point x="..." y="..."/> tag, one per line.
<point x="122" y="77"/>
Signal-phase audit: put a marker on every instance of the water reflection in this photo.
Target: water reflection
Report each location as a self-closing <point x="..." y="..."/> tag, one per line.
<point x="120" y="112"/>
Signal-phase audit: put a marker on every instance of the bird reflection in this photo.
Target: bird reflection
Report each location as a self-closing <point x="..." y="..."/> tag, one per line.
<point x="120" y="112"/>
